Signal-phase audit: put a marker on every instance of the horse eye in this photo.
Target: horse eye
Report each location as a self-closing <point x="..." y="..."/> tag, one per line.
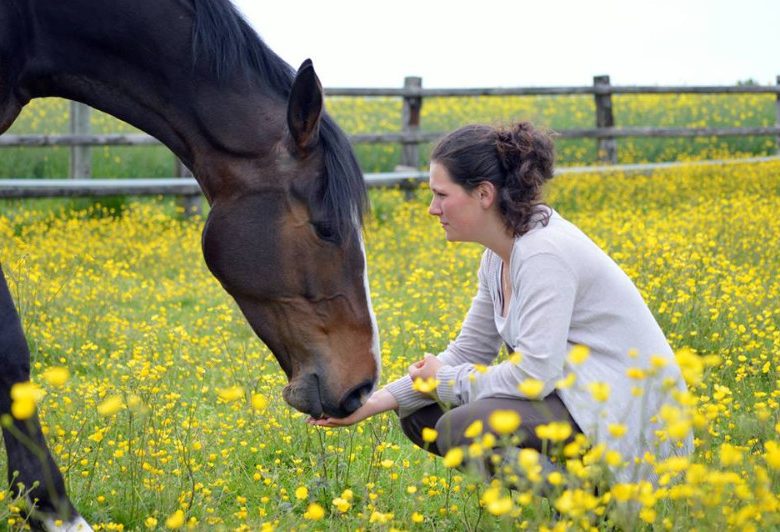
<point x="325" y="231"/>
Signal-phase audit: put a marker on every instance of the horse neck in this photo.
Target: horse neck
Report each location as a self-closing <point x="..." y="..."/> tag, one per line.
<point x="135" y="63"/>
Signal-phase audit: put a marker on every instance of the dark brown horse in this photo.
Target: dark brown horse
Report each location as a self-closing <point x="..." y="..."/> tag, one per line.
<point x="287" y="196"/>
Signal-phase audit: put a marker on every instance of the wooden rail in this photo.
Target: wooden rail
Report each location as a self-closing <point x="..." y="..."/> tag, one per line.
<point x="411" y="136"/>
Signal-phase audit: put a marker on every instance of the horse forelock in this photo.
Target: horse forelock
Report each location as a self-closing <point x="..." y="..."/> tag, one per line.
<point x="345" y="197"/>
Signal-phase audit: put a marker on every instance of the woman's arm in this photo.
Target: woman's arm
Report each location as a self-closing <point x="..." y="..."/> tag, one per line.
<point x="380" y="401"/>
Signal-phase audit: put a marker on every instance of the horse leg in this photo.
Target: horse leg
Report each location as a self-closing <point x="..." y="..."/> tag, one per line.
<point x="32" y="471"/>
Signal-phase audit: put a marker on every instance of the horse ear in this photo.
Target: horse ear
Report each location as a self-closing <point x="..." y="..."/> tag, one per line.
<point x="304" y="108"/>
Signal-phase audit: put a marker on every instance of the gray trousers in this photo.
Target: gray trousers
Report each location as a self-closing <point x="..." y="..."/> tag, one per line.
<point x="452" y="424"/>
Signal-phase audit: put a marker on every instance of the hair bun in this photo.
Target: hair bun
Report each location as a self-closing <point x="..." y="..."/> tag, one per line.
<point x="524" y="150"/>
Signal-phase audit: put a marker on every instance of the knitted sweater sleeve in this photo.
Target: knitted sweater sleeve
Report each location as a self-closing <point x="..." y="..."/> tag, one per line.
<point x="545" y="289"/>
<point x="477" y="343"/>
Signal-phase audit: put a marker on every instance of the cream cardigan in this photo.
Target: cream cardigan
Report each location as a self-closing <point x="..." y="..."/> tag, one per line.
<point x="566" y="291"/>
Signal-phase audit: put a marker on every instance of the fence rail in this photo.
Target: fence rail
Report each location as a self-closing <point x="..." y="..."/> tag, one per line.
<point x="411" y="136"/>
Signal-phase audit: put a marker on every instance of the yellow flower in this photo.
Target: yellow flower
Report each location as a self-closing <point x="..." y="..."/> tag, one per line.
<point x="658" y="361"/>
<point x="679" y="429"/>
<point x="647" y="515"/>
<point x="474" y="430"/>
<point x="500" y="506"/>
<point x="579" y="354"/>
<point x="556" y="478"/>
<point x="495" y="502"/>
<point x="730" y="455"/>
<point x="635" y="373"/>
<point x="566" y="382"/>
<point x="772" y="455"/>
<point x="425" y="385"/>
<point x="176" y="520"/>
<point x="528" y="458"/>
<point x="302" y="493"/>
<point x="454" y="457"/>
<point x="110" y="406"/>
<point x="515" y="358"/>
<point x="27" y="390"/>
<point x="576" y="502"/>
<point x="613" y="458"/>
<point x="347" y="494"/>
<point x="691" y="365"/>
<point x="25" y="395"/>
<point x="233" y="393"/>
<point x="429" y="435"/>
<point x="259" y="402"/>
<point x="342" y="505"/>
<point x="314" y="512"/>
<point x="417" y="517"/>
<point x="623" y="492"/>
<point x="150" y="522"/>
<point x="23" y="408"/>
<point x="599" y="390"/>
<point x="617" y="430"/>
<point x="504" y="421"/>
<point x="531" y="388"/>
<point x="379" y="517"/>
<point x="476" y="450"/>
<point x="56" y="376"/>
<point x="555" y="431"/>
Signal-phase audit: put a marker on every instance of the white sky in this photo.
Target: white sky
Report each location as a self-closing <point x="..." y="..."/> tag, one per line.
<point x="487" y="43"/>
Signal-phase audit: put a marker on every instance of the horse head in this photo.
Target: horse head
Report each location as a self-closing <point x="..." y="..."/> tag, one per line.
<point x="285" y="241"/>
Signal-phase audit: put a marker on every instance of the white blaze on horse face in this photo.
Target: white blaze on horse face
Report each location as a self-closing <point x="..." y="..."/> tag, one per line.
<point x="375" y="349"/>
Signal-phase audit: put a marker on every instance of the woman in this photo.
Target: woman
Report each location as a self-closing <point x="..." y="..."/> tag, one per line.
<point x="544" y="288"/>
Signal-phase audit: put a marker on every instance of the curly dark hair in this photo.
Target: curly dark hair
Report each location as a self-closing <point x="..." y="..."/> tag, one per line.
<point x="517" y="160"/>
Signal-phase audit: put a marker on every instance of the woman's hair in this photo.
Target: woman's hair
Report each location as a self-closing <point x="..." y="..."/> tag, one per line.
<point x="517" y="160"/>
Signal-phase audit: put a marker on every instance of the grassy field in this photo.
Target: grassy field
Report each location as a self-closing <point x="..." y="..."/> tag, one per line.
<point x="172" y="416"/>
<point x="383" y="115"/>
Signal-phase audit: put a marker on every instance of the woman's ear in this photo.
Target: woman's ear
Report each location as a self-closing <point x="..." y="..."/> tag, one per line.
<point x="486" y="193"/>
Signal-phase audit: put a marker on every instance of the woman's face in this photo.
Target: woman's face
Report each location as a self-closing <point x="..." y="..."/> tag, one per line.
<point x="460" y="213"/>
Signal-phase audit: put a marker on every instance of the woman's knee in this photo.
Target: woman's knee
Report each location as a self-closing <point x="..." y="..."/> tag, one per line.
<point x="451" y="428"/>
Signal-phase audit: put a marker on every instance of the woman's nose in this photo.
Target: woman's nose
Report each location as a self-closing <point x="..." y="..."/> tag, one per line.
<point x="433" y="208"/>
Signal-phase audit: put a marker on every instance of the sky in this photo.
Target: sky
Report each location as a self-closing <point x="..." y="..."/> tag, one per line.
<point x="504" y="43"/>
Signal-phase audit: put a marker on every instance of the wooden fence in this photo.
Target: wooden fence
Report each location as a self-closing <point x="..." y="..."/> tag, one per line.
<point x="410" y="136"/>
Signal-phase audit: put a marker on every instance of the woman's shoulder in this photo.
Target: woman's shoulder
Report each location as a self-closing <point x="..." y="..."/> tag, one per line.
<point x="554" y="236"/>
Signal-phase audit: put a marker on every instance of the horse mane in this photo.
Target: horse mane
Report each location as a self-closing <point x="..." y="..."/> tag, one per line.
<point x="223" y="40"/>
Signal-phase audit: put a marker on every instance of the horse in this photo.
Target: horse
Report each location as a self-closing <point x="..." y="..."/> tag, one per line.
<point x="287" y="198"/>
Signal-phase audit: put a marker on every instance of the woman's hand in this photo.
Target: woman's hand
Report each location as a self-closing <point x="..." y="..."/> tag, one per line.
<point x="380" y="401"/>
<point x="425" y="368"/>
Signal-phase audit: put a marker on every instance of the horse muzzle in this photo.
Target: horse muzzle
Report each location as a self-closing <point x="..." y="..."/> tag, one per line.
<point x="306" y="394"/>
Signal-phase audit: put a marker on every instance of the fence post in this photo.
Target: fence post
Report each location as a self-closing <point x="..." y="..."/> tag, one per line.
<point x="410" y="123"/>
<point x="80" y="156"/>
<point x="777" y="112"/>
<point x="607" y="146"/>
<point x="189" y="204"/>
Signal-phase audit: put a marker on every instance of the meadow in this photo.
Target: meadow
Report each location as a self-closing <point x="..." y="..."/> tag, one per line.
<point x="164" y="411"/>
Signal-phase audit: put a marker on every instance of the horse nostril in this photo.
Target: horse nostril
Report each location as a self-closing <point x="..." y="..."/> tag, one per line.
<point x="355" y="399"/>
